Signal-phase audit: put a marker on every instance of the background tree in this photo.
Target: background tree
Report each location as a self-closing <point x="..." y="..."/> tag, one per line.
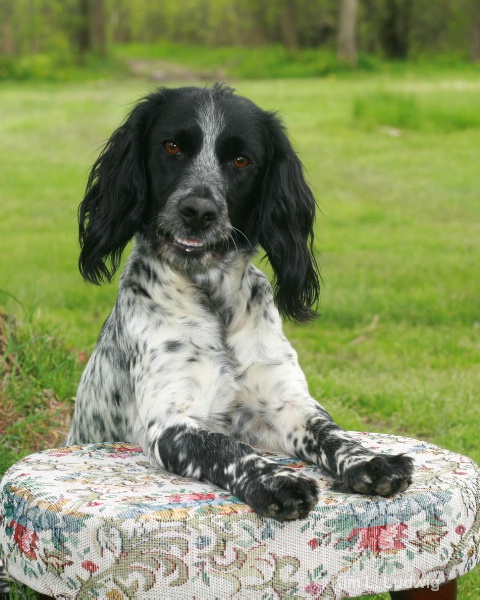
<point x="7" y="35"/>
<point x="92" y="28"/>
<point x="475" y="49"/>
<point x="347" y="27"/>
<point x="289" y="24"/>
<point x="395" y="28"/>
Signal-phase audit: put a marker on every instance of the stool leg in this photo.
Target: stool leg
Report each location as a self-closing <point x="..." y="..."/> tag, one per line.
<point x="444" y="592"/>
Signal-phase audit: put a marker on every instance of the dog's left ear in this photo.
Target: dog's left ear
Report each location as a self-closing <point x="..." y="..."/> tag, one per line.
<point x="115" y="199"/>
<point x="284" y="227"/>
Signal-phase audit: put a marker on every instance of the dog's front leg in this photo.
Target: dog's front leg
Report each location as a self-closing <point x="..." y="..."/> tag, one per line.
<point x="295" y="423"/>
<point x="277" y="412"/>
<point x="183" y="424"/>
<point x="270" y="489"/>
<point x="298" y="425"/>
<point x="355" y="468"/>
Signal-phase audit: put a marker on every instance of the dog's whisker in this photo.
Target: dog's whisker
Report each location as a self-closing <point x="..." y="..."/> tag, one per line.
<point x="232" y="237"/>
<point x="246" y="238"/>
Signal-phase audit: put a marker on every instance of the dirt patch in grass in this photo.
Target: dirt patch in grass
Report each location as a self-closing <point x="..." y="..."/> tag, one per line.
<point x="7" y="360"/>
<point x="32" y="417"/>
<point x="162" y="70"/>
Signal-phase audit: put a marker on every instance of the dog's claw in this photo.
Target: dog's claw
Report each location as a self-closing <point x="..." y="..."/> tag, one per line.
<point x="284" y="497"/>
<point x="382" y="475"/>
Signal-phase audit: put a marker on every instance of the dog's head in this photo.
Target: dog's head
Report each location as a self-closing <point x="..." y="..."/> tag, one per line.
<point x="199" y="173"/>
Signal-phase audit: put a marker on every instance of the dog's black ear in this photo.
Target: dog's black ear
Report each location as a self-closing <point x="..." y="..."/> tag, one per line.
<point x="115" y="200"/>
<point x="284" y="227"/>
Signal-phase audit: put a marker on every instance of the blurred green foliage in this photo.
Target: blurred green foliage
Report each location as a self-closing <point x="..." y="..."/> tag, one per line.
<point x="61" y="39"/>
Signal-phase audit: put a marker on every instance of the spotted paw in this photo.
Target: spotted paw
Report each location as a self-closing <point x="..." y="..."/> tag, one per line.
<point x="382" y="475"/>
<point x="284" y="496"/>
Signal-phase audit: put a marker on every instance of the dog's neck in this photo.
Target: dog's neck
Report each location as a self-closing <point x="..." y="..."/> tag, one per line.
<point x="225" y="289"/>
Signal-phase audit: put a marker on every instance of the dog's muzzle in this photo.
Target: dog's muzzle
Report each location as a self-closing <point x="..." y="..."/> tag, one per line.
<point x="195" y="226"/>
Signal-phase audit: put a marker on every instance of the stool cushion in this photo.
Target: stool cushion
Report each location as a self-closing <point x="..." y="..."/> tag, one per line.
<point x="97" y="521"/>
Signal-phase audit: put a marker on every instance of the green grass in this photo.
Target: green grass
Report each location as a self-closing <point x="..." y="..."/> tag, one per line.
<point x="397" y="347"/>
<point x="274" y="61"/>
<point x="270" y="61"/>
<point x="267" y="62"/>
<point x="453" y="110"/>
<point x="60" y="66"/>
<point x="38" y="376"/>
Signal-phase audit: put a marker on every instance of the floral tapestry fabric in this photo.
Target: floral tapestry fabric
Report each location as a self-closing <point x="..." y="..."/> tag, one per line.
<point x="97" y="521"/>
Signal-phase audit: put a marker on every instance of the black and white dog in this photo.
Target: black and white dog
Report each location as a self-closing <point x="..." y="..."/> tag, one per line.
<point x="192" y="363"/>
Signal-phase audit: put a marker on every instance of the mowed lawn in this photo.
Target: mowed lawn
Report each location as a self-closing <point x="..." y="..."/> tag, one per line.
<point x="397" y="346"/>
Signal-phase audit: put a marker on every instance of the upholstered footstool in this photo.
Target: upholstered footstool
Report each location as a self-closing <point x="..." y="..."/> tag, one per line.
<point x="98" y="521"/>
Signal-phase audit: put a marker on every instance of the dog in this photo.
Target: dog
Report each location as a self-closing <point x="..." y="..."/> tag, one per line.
<point x="192" y="363"/>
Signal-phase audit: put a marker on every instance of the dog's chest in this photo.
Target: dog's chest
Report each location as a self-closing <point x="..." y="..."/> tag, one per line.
<point x="227" y="310"/>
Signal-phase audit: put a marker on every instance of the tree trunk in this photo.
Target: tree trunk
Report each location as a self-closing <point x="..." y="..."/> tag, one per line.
<point x="98" y="26"/>
<point x="289" y="26"/>
<point x="92" y="29"/>
<point x="7" y="35"/>
<point x="347" y="26"/>
<point x="84" y="40"/>
<point x="475" y="48"/>
<point x="395" y="28"/>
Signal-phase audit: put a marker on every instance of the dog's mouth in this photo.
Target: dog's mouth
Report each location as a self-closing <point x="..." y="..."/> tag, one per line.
<point x="188" y="246"/>
<point x="191" y="246"/>
<point x="190" y="251"/>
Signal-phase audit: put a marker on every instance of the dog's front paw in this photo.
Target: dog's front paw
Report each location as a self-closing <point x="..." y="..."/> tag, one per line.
<point x="283" y="496"/>
<point x="382" y="475"/>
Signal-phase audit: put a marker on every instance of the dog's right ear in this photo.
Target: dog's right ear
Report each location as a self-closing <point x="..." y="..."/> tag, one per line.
<point x="115" y="199"/>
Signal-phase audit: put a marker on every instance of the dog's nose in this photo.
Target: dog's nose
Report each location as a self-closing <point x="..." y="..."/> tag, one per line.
<point x="198" y="213"/>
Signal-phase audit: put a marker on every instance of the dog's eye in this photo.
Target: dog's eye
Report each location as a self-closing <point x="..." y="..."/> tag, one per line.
<point x="241" y="162"/>
<point x="171" y="147"/>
